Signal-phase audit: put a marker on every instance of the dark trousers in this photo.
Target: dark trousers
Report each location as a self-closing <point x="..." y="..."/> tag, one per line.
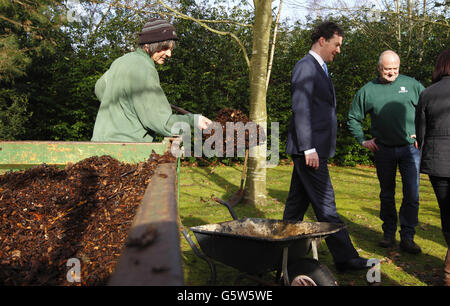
<point x="314" y="186"/>
<point x="407" y="159"/>
<point x="441" y="186"/>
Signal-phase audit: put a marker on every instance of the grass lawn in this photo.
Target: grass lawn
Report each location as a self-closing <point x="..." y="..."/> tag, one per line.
<point x="356" y="191"/>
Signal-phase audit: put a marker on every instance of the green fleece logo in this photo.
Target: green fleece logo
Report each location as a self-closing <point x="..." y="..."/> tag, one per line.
<point x="403" y="90"/>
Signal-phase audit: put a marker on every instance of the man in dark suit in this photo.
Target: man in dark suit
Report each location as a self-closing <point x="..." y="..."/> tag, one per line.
<point x="312" y="140"/>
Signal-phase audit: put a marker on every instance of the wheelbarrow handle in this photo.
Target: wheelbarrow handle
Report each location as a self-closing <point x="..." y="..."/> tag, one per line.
<point x="197" y="252"/>
<point x="230" y="209"/>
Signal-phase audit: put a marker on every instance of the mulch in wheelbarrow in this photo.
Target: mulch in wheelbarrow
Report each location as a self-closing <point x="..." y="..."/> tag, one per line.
<point x="84" y="211"/>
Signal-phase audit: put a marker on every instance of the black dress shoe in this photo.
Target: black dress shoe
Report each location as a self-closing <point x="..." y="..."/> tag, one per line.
<point x="409" y="246"/>
<point x="357" y="263"/>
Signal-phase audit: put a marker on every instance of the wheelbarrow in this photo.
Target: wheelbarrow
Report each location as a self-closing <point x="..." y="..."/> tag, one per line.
<point x="256" y="246"/>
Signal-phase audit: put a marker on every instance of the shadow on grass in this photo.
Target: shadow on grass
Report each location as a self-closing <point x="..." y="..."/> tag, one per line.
<point x="424" y="267"/>
<point x="370" y="173"/>
<point x="220" y="181"/>
<point x="424" y="230"/>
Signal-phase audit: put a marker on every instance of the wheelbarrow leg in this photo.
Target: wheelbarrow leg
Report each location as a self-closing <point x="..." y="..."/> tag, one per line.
<point x="278" y="277"/>
<point x="314" y="244"/>
<point x="197" y="252"/>
<point x="284" y="266"/>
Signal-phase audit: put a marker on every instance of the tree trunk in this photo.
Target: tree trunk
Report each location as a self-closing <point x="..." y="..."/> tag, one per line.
<point x="256" y="176"/>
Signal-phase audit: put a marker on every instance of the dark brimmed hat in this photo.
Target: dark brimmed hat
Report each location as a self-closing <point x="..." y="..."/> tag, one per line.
<point x="156" y="30"/>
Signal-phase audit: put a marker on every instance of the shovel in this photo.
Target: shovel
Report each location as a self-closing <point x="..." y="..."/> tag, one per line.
<point x="179" y="109"/>
<point x="237" y="197"/>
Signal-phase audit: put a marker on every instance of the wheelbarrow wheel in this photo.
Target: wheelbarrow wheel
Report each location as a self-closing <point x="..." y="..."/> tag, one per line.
<point x="310" y="272"/>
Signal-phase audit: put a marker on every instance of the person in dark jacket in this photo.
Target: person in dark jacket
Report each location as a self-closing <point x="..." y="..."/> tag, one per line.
<point x="433" y="136"/>
<point x="312" y="140"/>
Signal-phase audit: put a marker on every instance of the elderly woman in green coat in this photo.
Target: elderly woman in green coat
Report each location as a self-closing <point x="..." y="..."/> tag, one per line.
<point x="133" y="105"/>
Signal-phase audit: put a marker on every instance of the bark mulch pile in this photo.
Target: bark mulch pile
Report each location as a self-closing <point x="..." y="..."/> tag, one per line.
<point x="50" y="215"/>
<point x="254" y="138"/>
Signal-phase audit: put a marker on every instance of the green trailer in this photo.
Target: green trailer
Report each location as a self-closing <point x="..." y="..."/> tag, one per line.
<point x="158" y="263"/>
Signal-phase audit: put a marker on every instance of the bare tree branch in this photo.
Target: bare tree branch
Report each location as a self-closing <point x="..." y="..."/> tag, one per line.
<point x="342" y="7"/>
<point x="11" y="21"/>
<point x="104" y="16"/>
<point x="272" y="52"/>
<point x="183" y="16"/>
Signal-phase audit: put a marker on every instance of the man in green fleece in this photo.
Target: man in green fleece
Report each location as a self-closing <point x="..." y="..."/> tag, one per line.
<point x="391" y="100"/>
<point x="133" y="105"/>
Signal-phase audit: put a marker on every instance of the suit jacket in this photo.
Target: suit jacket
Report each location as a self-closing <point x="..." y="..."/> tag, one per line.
<point x="433" y="128"/>
<point x="313" y="123"/>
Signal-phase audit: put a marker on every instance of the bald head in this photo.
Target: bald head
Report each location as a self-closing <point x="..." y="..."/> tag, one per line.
<point x="388" y="66"/>
<point x="388" y="56"/>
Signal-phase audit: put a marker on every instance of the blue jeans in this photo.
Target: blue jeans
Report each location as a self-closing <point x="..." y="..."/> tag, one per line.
<point x="407" y="158"/>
